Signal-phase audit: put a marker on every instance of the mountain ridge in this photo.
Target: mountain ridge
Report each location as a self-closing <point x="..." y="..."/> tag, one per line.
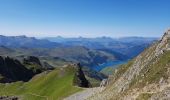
<point x="23" y="41"/>
<point x="146" y="77"/>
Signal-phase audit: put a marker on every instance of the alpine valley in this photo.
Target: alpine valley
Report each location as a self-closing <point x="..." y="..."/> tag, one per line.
<point x="41" y="69"/>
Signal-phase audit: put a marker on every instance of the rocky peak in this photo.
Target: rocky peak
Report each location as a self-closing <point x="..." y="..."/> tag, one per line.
<point x="164" y="43"/>
<point x="79" y="78"/>
<point x="166" y="35"/>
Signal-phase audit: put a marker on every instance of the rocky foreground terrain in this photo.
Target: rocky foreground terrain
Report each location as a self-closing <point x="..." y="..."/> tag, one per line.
<point x="83" y="95"/>
<point x="8" y="98"/>
<point x="146" y="77"/>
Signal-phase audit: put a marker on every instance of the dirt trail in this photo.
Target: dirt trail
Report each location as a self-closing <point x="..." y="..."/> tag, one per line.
<point x="45" y="97"/>
<point x="83" y="95"/>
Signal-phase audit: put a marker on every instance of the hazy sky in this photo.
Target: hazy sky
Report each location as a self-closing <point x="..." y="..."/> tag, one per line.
<point x="88" y="18"/>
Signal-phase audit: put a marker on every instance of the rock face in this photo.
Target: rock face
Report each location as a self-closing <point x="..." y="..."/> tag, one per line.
<point x="33" y="63"/>
<point x="32" y="59"/>
<point x="12" y="70"/>
<point x="145" y="77"/>
<point x="103" y="83"/>
<point x="79" y="78"/>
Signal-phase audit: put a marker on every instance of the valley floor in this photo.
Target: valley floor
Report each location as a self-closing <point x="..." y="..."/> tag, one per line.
<point x="86" y="93"/>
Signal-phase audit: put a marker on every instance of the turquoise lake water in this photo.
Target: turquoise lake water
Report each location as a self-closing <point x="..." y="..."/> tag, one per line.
<point x="108" y="64"/>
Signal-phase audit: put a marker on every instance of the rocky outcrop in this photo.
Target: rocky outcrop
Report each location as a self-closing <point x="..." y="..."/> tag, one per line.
<point x="79" y="78"/>
<point x="12" y="70"/>
<point x="33" y="63"/>
<point x="8" y="98"/>
<point x="104" y="83"/>
<point x="32" y="59"/>
<point x="164" y="44"/>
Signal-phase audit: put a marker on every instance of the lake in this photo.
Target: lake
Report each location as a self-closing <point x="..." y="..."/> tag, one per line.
<point x="108" y="64"/>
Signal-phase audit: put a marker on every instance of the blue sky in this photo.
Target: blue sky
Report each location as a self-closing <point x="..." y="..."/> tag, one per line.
<point x="88" y="18"/>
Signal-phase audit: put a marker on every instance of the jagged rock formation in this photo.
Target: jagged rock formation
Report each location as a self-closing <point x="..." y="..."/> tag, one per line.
<point x="79" y="78"/>
<point x="12" y="70"/>
<point x="33" y="63"/>
<point x="145" y="77"/>
<point x="84" y="74"/>
<point x="32" y="59"/>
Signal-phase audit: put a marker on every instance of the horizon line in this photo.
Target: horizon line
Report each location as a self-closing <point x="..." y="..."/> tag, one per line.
<point x="59" y="36"/>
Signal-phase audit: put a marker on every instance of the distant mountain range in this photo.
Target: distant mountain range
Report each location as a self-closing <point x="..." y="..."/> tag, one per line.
<point x="88" y="51"/>
<point x="103" y="39"/>
<point x="23" y="41"/>
<point x="129" y="46"/>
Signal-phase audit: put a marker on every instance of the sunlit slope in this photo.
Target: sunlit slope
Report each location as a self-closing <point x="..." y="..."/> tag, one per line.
<point x="146" y="77"/>
<point x="52" y="85"/>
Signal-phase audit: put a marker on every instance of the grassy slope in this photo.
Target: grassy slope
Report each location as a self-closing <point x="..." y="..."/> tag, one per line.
<point x="154" y="72"/>
<point x="151" y="74"/>
<point x="108" y="70"/>
<point x="53" y="85"/>
<point x="94" y="82"/>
